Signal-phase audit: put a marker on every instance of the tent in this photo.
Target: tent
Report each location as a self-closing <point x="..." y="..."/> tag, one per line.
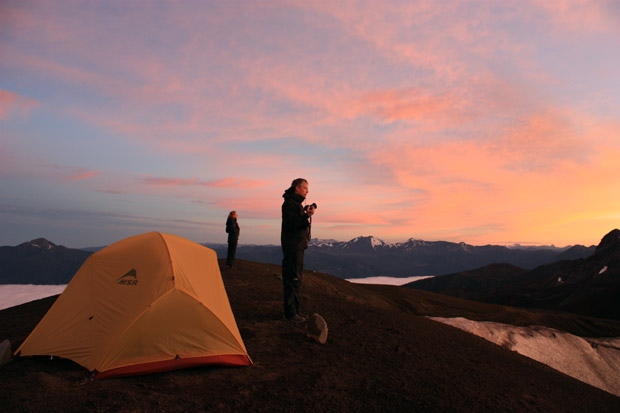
<point x="149" y="303"/>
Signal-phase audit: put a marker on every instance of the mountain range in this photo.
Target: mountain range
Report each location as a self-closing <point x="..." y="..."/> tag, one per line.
<point x="42" y="262"/>
<point x="369" y="256"/>
<point x="589" y="286"/>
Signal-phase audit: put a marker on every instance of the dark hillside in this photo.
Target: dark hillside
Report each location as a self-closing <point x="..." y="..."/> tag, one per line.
<point x="381" y="355"/>
<point x="466" y="284"/>
<point x="588" y="286"/>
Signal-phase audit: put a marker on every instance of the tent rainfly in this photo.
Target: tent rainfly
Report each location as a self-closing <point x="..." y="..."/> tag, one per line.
<point x="149" y="303"/>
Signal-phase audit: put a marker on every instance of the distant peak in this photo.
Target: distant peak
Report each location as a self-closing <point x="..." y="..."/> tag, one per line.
<point x="42" y="243"/>
<point x="367" y="240"/>
<point x="415" y="241"/>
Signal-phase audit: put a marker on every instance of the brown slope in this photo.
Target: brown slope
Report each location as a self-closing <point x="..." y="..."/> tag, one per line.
<point x="380" y="356"/>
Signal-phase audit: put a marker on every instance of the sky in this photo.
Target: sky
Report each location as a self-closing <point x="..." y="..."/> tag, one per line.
<point x="485" y="122"/>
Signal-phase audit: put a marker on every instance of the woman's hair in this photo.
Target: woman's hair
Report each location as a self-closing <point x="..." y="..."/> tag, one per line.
<point x="231" y="213"/>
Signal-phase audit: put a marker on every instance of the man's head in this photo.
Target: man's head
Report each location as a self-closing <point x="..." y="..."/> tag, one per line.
<point x="301" y="186"/>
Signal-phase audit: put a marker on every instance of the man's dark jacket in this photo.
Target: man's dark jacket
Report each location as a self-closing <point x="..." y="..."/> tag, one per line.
<point x="295" y="223"/>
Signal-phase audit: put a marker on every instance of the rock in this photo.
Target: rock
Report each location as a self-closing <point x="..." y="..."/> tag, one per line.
<point x="317" y="328"/>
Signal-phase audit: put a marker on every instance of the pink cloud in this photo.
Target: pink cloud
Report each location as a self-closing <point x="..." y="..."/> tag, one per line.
<point x="69" y="172"/>
<point x="171" y="181"/>
<point x="540" y="140"/>
<point x="236" y="183"/>
<point x="431" y="35"/>
<point x="229" y="182"/>
<point x="403" y="104"/>
<point x="84" y="175"/>
<point x="71" y="74"/>
<point x="12" y="102"/>
<point x="114" y="191"/>
<point x="582" y="15"/>
<point x="251" y="206"/>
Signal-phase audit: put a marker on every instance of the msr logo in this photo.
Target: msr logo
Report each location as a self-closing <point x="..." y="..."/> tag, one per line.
<point x="128" y="279"/>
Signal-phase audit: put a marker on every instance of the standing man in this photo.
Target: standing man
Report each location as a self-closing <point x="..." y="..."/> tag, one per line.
<point x="232" y="228"/>
<point x="294" y="238"/>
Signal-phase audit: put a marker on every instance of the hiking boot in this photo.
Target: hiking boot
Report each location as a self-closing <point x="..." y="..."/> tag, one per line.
<point x="296" y="319"/>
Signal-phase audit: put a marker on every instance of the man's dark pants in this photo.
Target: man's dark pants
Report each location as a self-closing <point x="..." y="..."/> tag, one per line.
<point x="292" y="268"/>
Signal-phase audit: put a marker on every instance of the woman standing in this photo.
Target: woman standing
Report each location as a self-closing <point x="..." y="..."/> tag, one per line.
<point x="232" y="228"/>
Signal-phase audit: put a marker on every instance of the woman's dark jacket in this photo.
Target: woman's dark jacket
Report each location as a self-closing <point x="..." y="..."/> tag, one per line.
<point x="232" y="228"/>
<point x="295" y="223"/>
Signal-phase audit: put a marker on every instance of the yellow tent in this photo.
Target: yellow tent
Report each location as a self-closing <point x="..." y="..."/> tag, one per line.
<point x="149" y="303"/>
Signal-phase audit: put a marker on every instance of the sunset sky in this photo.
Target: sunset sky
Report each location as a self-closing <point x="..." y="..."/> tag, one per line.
<point x="486" y="122"/>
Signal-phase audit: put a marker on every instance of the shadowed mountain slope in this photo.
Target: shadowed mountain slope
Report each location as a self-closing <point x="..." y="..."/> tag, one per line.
<point x="589" y="286"/>
<point x="381" y="355"/>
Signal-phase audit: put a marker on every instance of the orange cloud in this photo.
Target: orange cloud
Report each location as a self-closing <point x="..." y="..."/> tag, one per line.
<point x="354" y="217"/>
<point x="403" y="104"/>
<point x="531" y="179"/>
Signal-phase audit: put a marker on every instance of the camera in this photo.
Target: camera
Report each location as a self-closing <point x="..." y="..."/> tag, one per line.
<point x="313" y="205"/>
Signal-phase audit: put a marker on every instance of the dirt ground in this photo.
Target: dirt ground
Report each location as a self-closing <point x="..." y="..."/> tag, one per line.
<point x="382" y="354"/>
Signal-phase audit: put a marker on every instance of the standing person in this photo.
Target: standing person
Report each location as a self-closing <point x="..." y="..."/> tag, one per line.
<point x="294" y="238"/>
<point x="232" y="228"/>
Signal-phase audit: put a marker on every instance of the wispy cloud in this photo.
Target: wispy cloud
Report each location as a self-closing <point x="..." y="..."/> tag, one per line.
<point x="84" y="175"/>
<point x="229" y="182"/>
<point x="11" y="103"/>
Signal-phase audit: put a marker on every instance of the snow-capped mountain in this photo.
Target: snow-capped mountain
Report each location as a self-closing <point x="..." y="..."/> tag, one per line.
<point x="368" y="256"/>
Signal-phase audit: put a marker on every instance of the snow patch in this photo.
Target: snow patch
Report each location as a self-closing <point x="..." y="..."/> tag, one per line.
<point x="375" y="242"/>
<point x="595" y="361"/>
<point x="603" y="270"/>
